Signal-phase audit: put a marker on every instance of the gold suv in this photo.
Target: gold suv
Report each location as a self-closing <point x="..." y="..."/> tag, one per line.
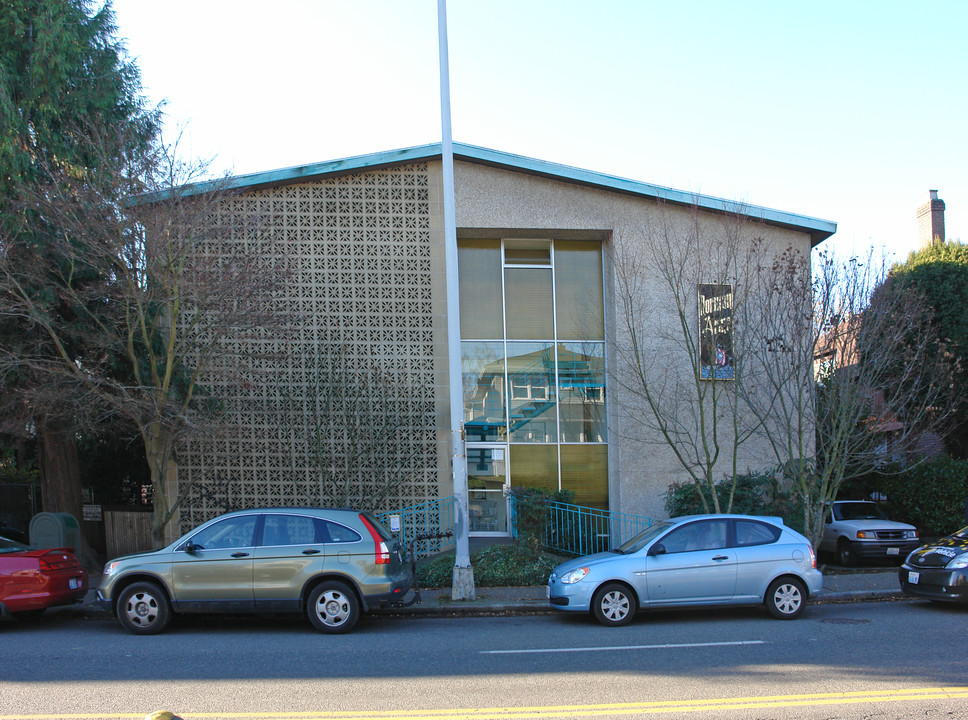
<point x="330" y="564"/>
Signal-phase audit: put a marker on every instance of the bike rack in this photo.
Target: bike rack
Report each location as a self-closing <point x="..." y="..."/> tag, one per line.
<point x="413" y="566"/>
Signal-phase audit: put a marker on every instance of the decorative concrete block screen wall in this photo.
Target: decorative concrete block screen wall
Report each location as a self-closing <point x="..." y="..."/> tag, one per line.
<point x="344" y="409"/>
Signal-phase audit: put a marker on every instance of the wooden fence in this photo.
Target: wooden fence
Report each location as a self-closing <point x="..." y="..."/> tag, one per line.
<point x="126" y="531"/>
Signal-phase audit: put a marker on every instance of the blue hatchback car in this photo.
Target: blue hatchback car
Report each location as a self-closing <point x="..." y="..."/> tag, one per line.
<point x="698" y="560"/>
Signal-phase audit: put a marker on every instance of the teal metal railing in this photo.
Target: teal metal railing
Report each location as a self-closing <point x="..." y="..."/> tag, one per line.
<point x="579" y="530"/>
<point x="429" y="518"/>
<point x="570" y="529"/>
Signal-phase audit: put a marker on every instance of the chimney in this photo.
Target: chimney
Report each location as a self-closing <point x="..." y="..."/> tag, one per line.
<point x="931" y="221"/>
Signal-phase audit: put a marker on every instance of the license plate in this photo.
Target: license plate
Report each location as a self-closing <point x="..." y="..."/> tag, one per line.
<point x="74" y="583"/>
<point x="913" y="577"/>
<point x="893" y="551"/>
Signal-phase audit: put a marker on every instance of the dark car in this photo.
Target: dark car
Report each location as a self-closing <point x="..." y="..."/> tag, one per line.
<point x="33" y="580"/>
<point x="329" y="564"/>
<point x="939" y="570"/>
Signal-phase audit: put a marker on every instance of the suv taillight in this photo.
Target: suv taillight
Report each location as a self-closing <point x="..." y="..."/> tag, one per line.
<point x="382" y="556"/>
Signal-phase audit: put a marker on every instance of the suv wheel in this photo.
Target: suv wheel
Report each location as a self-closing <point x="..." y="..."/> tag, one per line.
<point x="333" y="607"/>
<point x="143" y="609"/>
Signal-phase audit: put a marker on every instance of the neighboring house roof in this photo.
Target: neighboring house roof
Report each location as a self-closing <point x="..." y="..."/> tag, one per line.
<point x="818" y="229"/>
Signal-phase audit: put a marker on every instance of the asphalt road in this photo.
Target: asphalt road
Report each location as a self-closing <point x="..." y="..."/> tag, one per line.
<point x="900" y="659"/>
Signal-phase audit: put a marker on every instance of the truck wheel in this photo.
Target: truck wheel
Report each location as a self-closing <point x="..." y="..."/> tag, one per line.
<point x="845" y="553"/>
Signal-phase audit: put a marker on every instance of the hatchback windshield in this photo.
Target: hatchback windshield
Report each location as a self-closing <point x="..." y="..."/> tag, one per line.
<point x="643" y="538"/>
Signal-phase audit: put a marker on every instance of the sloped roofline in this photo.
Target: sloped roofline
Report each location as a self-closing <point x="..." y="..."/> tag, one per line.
<point x="818" y="229"/>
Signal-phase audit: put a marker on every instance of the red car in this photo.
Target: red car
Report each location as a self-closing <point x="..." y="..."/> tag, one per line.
<point x="33" y="580"/>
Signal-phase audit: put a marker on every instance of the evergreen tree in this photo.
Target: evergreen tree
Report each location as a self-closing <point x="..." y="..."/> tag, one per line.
<point x="70" y="101"/>
<point x="940" y="274"/>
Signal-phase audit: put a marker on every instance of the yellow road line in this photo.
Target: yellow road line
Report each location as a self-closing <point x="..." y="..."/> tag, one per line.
<point x="497" y="713"/>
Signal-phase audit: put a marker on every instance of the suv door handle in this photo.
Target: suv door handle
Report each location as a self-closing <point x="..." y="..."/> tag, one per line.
<point x="240" y="554"/>
<point x="310" y="551"/>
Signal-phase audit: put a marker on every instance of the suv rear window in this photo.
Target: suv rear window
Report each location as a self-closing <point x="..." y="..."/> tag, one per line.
<point x="377" y="525"/>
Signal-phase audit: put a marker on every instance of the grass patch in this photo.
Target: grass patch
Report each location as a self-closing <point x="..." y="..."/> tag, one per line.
<point x="495" y="566"/>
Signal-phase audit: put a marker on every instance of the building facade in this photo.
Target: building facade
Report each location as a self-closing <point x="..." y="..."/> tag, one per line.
<point x="353" y="406"/>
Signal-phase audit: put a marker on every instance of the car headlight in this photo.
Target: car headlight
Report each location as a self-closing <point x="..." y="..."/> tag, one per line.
<point x="911" y="534"/>
<point x="111" y="567"/>
<point x="866" y="535"/>
<point x="573" y="576"/>
<point x="959" y="562"/>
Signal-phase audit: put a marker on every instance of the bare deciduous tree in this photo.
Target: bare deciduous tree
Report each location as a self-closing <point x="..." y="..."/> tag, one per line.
<point x="161" y="285"/>
<point x="683" y="375"/>
<point x="838" y="374"/>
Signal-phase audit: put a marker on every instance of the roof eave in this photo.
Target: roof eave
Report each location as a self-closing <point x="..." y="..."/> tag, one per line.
<point x="818" y="229"/>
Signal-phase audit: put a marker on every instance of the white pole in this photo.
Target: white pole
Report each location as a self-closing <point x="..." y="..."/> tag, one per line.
<point x="463" y="582"/>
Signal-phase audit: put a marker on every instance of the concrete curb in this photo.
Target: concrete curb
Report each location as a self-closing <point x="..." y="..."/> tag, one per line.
<point x="860" y="585"/>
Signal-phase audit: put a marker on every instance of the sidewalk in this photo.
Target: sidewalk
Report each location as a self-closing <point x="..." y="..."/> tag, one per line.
<point x="839" y="585"/>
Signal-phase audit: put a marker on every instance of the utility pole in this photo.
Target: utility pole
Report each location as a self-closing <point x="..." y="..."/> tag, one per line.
<point x="463" y="583"/>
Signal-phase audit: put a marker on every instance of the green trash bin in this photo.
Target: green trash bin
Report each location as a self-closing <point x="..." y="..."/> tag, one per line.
<point x="55" y="530"/>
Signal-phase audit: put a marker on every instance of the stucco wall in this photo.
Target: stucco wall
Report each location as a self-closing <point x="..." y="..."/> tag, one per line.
<point x="497" y="202"/>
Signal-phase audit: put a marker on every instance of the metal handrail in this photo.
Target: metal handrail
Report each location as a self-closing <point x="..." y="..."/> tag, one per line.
<point x="580" y="530"/>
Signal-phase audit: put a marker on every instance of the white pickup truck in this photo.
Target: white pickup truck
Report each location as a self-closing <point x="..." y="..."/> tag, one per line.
<point x="859" y="530"/>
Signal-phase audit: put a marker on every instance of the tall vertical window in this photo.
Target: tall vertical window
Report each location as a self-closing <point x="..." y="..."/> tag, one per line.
<point x="533" y="358"/>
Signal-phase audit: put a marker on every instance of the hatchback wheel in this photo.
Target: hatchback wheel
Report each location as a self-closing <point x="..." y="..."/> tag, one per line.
<point x="143" y="609"/>
<point x="785" y="598"/>
<point x="333" y="607"/>
<point x="613" y="605"/>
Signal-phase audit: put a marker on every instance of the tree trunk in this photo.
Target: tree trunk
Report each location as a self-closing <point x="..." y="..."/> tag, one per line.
<point x="60" y="471"/>
<point x="158" y="452"/>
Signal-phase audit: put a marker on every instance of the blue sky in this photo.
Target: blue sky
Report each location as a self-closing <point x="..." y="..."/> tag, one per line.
<point x="847" y="110"/>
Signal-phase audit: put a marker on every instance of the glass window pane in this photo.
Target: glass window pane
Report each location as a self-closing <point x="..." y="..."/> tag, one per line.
<point x="584" y="469"/>
<point x="531" y="376"/>
<point x="529" y="304"/>
<point x="527" y="252"/>
<point x="581" y="391"/>
<point x="578" y="288"/>
<point x="479" y="271"/>
<point x="485" y="481"/>
<point x="534" y="466"/>
<point x="482" y="369"/>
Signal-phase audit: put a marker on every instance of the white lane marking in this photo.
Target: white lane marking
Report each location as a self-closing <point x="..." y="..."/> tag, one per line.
<point x="665" y="646"/>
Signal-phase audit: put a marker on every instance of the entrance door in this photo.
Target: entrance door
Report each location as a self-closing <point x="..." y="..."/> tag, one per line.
<point x="487" y="479"/>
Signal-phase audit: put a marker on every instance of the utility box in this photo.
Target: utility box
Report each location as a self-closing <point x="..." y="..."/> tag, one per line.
<point x="55" y="530"/>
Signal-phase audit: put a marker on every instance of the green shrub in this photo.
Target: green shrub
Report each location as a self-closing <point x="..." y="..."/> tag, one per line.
<point x="930" y="495"/>
<point x="755" y="494"/>
<point x="509" y="565"/>
<point x="531" y="510"/>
